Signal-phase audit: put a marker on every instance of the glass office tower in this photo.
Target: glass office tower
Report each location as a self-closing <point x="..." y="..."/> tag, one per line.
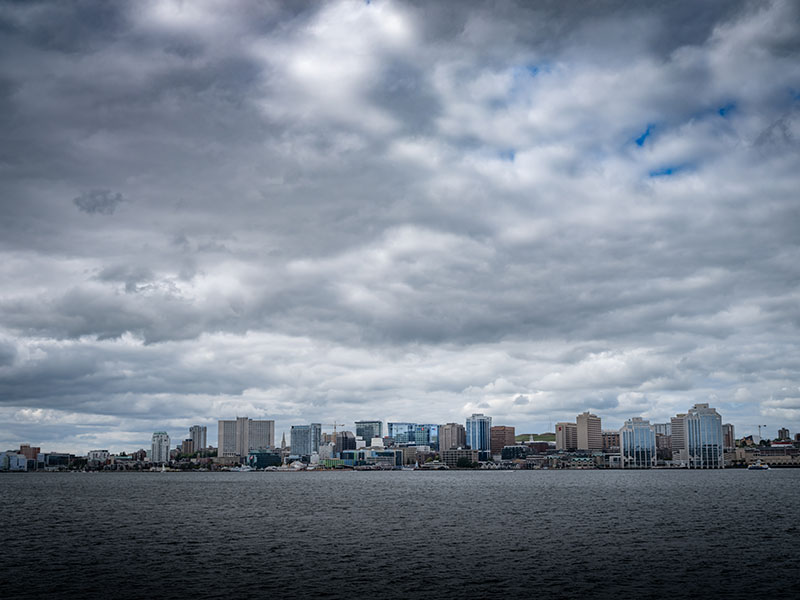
<point x="479" y="432"/>
<point x="402" y="433"/>
<point x="369" y="429"/>
<point x="637" y="444"/>
<point x="704" y="441"/>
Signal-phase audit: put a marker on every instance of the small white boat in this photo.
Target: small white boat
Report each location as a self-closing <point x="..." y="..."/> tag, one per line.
<point x="758" y="466"/>
<point x="243" y="469"/>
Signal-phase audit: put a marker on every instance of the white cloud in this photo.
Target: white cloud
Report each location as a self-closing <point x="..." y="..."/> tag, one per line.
<point x="410" y="212"/>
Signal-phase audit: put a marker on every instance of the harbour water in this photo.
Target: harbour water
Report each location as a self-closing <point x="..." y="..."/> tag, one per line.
<point x="378" y="535"/>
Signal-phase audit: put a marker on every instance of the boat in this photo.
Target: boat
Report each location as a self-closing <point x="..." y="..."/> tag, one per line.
<point x="758" y="466"/>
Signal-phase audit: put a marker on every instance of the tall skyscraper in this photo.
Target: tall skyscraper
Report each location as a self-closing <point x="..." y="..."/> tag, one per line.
<point x="159" y="449"/>
<point x="678" y="428"/>
<point x="426" y="435"/>
<point x="451" y="436"/>
<point x="704" y="444"/>
<point x="239" y="437"/>
<point x="637" y="440"/>
<point x="479" y="432"/>
<point x="402" y="433"/>
<point x="242" y="436"/>
<point x="197" y="433"/>
<point x="663" y="428"/>
<point x="590" y="435"/>
<point x="567" y="436"/>
<point x="305" y="439"/>
<point x="260" y="435"/>
<point x="369" y="429"/>
<point x="226" y="440"/>
<point x="345" y="440"/>
<point x="728" y="436"/>
<point x="783" y="434"/>
<point x="502" y="436"/>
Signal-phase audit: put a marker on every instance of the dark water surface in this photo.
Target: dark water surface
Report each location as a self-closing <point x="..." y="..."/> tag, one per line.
<point x="365" y="536"/>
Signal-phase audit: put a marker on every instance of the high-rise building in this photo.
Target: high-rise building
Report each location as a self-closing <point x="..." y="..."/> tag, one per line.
<point x="610" y="441"/>
<point x="402" y="433"/>
<point x="29" y="452"/>
<point x="226" y="441"/>
<point x="502" y="436"/>
<point x="566" y="436"/>
<point x="678" y="432"/>
<point x="637" y="440"/>
<point x="704" y="438"/>
<point x="662" y="428"/>
<point x="345" y="440"/>
<point x="783" y="434"/>
<point x="369" y="429"/>
<point x="159" y="448"/>
<point x="426" y="435"/>
<point x="187" y="446"/>
<point x="239" y="437"/>
<point x="198" y="435"/>
<point x="728" y="436"/>
<point x="305" y="439"/>
<point x="452" y="435"/>
<point x="590" y="435"/>
<point x="479" y="432"/>
<point x="242" y="436"/>
<point x="260" y="435"/>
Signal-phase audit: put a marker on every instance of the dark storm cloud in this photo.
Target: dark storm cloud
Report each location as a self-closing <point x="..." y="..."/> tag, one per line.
<point x="104" y="202"/>
<point x="397" y="210"/>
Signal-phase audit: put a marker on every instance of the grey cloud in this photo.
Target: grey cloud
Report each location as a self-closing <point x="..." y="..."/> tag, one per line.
<point x="8" y="352"/>
<point x="443" y="210"/>
<point x="783" y="133"/>
<point x="104" y="202"/>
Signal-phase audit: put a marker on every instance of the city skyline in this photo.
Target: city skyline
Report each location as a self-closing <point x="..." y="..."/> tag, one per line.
<point x="583" y="437"/>
<point x="307" y="212"/>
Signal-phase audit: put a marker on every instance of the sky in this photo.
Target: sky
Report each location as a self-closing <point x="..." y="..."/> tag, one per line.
<point x="406" y="211"/>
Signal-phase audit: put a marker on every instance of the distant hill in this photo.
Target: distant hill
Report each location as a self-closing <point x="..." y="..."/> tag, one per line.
<point x="537" y="437"/>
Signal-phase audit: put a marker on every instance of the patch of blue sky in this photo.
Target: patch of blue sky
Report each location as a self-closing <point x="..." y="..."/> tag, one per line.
<point x="522" y="81"/>
<point x="714" y="111"/>
<point x="726" y="110"/>
<point x="641" y="139"/>
<point x="529" y="71"/>
<point x="507" y="155"/>
<point x="669" y="170"/>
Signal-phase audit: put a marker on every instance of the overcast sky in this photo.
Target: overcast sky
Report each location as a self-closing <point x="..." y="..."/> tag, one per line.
<point x="400" y="211"/>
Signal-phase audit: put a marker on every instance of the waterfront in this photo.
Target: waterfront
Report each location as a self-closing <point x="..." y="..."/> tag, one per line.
<point x="401" y="534"/>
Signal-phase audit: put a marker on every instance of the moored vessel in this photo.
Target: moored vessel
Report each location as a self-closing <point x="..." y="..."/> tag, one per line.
<point x="758" y="466"/>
